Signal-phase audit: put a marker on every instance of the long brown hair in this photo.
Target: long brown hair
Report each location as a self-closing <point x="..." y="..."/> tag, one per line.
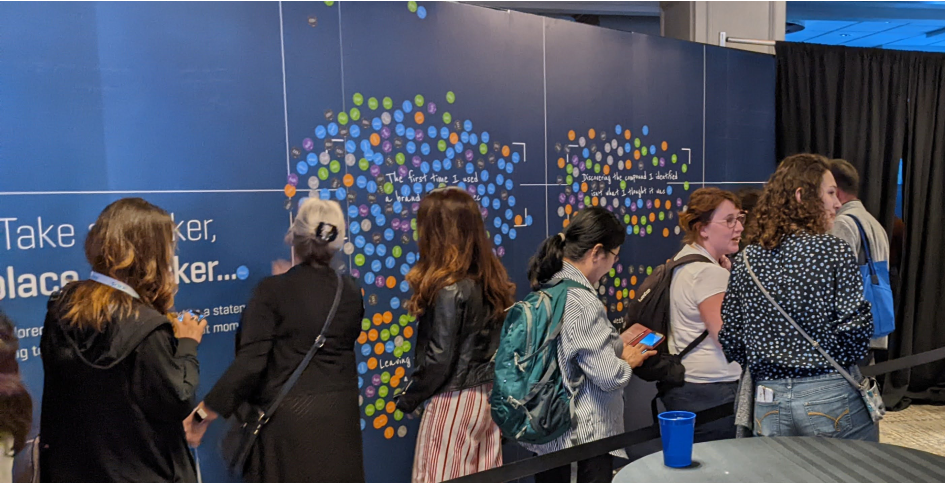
<point x="16" y="405"/>
<point x="778" y="213"/>
<point x="133" y="242"/>
<point x="454" y="246"/>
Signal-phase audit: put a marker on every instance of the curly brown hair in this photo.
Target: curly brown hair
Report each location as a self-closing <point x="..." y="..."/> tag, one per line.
<point x="699" y="211"/>
<point x="778" y="213"/>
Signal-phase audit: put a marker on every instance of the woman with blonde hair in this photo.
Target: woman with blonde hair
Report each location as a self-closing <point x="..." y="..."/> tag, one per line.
<point x="460" y="293"/>
<point x="120" y="372"/>
<point x="315" y="432"/>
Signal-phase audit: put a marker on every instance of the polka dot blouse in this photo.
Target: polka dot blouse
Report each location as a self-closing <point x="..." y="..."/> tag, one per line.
<point x="817" y="281"/>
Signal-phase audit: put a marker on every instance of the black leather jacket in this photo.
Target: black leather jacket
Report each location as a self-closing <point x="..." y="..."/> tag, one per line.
<point x="456" y="339"/>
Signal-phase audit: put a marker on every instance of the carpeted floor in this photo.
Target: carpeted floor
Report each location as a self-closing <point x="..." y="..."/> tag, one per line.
<point x="919" y="427"/>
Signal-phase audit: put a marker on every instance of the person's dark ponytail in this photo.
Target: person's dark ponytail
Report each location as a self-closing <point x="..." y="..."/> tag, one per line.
<point x="548" y="261"/>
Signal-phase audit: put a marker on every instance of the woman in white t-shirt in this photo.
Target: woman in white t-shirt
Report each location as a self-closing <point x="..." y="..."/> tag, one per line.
<point x="713" y="222"/>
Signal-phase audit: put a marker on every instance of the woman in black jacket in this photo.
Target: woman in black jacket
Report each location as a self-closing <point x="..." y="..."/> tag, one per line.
<point x="120" y="373"/>
<point x="315" y="434"/>
<point x="460" y="293"/>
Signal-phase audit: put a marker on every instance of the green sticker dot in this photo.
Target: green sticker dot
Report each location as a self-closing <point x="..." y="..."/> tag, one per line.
<point x="636" y="142"/>
<point x="649" y="229"/>
<point x="329" y="3"/>
<point x="568" y="168"/>
<point x="450" y="97"/>
<point x="334" y="166"/>
<point x="359" y="259"/>
<point x="616" y="282"/>
<point x="643" y="150"/>
<point x="358" y="99"/>
<point x="394" y="330"/>
<point x="406" y="346"/>
<point x="626" y="221"/>
<point x="643" y="220"/>
<point x="415" y="236"/>
<point x="587" y="163"/>
<point x="402" y="321"/>
<point x="441" y="145"/>
<point x="372" y="103"/>
<point x="662" y="216"/>
<point x="365" y="324"/>
<point x="675" y="159"/>
<point x="383" y="391"/>
<point x="483" y="149"/>
<point x="626" y="293"/>
<point x="398" y="415"/>
<point x="685" y="185"/>
<point x="413" y="224"/>
<point x="447" y="118"/>
<point x="397" y="251"/>
<point x="369" y="411"/>
<point x="623" y="185"/>
<point x="611" y="273"/>
<point x="418" y="100"/>
<point x="685" y="168"/>
<point x="388" y="188"/>
<point x="379" y="404"/>
<point x="656" y="161"/>
<point x="587" y="201"/>
<point x="400" y="158"/>
<point x="342" y="118"/>
<point x="385" y="334"/>
<point x="323" y="173"/>
<point x="385" y="377"/>
<point x="398" y="352"/>
<point x="364" y="164"/>
<point x="412" y="6"/>
<point x="355" y="114"/>
<point x="388" y="103"/>
<point x="596" y="168"/>
<point x="569" y="179"/>
<point x="636" y="229"/>
<point x="649" y="271"/>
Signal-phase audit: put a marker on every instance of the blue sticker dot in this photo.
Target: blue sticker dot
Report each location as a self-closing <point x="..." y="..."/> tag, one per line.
<point x="528" y="220"/>
<point x="499" y="179"/>
<point x="363" y="424"/>
<point x="389" y="234"/>
<point x="332" y="129"/>
<point x="352" y="211"/>
<point x="512" y="201"/>
<point x="437" y="166"/>
<point x="411" y="258"/>
<point x="501" y="163"/>
<point x="470" y="168"/>
<point x="461" y="186"/>
<point x="381" y="220"/>
<point x="444" y="132"/>
<point x="389" y="346"/>
<point x="404" y="286"/>
<point x="398" y="116"/>
<point x="508" y="168"/>
<point x="302" y="167"/>
<point x="464" y="137"/>
<point x="351" y="146"/>
<point x="242" y="272"/>
<point x="497" y="222"/>
<point x="485" y="137"/>
<point x="430" y="187"/>
<point x="512" y="234"/>
<point x="629" y="230"/>
<point x="369" y="250"/>
<point x="576" y="187"/>
<point x="394" y="304"/>
<point x="669" y="190"/>
<point x="410" y="133"/>
<point x="371" y="186"/>
<point x="447" y="164"/>
<point x="496" y="204"/>
<point x="390" y="262"/>
<point x="618" y="129"/>
<point x="365" y="145"/>
<point x="405" y="190"/>
<point x="408" y="106"/>
<point x="473" y="139"/>
<point x="484" y="175"/>
<point x="481" y="189"/>
<point x="378" y="159"/>
<point x="312" y="159"/>
<point x="411" y="147"/>
<point x="404" y="269"/>
<point x="450" y="154"/>
<point x="355" y="228"/>
<point x="498" y="239"/>
<point x="508" y="184"/>
<point x="362" y="368"/>
<point x="324" y="194"/>
<point x="646" y="130"/>
<point x="467" y="125"/>
<point x="354" y="131"/>
<point x="400" y="130"/>
<point x="424" y="167"/>
<point x="627" y="148"/>
<point x="365" y="351"/>
<point x="505" y="228"/>
<point x="431" y="131"/>
<point x="377" y="124"/>
<point x="652" y="149"/>
<point x="381" y="250"/>
<point x="417" y="188"/>
<point x="376" y="265"/>
<point x="375" y="210"/>
<point x="586" y="153"/>
<point x="491" y="189"/>
<point x="359" y="241"/>
<point x="398" y="207"/>
<point x="369" y="278"/>
<point x="628" y="202"/>
<point x="361" y="379"/>
<point x="425" y="149"/>
<point x="484" y="201"/>
<point x="422" y="12"/>
<point x="320" y="132"/>
<point x="515" y="157"/>
<point x="340" y="194"/>
<point x="508" y="214"/>
<point x="640" y="203"/>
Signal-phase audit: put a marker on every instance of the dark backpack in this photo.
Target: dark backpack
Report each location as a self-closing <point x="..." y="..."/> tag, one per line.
<point x="651" y="309"/>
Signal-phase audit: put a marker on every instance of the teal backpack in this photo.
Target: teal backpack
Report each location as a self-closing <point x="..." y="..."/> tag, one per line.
<point x="530" y="401"/>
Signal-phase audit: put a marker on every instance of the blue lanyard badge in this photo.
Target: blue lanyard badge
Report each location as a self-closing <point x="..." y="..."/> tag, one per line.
<point x="115" y="284"/>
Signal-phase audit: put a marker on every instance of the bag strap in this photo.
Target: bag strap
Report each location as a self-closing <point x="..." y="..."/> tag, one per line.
<point x="672" y="265"/>
<point x="692" y="345"/>
<point x="319" y="342"/>
<point x="843" y="372"/>
<point x="864" y="241"/>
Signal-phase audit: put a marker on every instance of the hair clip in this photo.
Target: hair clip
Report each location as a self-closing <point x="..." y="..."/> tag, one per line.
<point x="326" y="232"/>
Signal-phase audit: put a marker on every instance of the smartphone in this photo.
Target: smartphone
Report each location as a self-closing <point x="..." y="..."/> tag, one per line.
<point x="652" y="339"/>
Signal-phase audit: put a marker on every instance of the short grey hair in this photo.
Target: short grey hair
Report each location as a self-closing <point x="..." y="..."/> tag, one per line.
<point x="303" y="234"/>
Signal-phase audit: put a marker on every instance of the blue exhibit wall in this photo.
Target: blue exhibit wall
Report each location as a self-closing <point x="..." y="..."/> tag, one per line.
<point x="228" y="114"/>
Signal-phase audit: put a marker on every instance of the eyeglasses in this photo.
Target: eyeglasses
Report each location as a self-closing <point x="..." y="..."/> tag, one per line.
<point x="730" y="220"/>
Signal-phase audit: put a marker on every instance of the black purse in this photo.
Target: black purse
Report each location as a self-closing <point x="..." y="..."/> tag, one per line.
<point x="239" y="441"/>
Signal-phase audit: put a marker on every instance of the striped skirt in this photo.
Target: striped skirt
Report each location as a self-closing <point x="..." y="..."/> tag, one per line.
<point x="457" y="436"/>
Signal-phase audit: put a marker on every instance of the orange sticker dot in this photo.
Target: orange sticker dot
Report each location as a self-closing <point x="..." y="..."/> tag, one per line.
<point x="565" y="223"/>
<point x="418" y="117"/>
<point x="454" y="138"/>
<point x="378" y="348"/>
<point x="568" y="209"/>
<point x="652" y="216"/>
<point x="391" y="283"/>
<point x="591" y="133"/>
<point x="561" y="163"/>
<point x="394" y="381"/>
<point x="606" y="169"/>
<point x="657" y="203"/>
<point x="518" y="219"/>
<point x="399" y="372"/>
<point x="506" y="151"/>
<point x="619" y="306"/>
<point x="378" y="319"/>
<point x="571" y="135"/>
<point x="636" y="154"/>
<point x="633" y="294"/>
<point x="348" y="180"/>
<point x="289" y="190"/>
<point x="388" y="317"/>
<point x="375" y="139"/>
<point x="665" y="232"/>
<point x="380" y="421"/>
<point x="664" y="146"/>
<point x="633" y="280"/>
<point x="584" y="187"/>
<point x="372" y="363"/>
<point x="390" y="407"/>
<point x="362" y="338"/>
<point x="626" y="134"/>
<point x="372" y="335"/>
<point x="408" y="332"/>
<point x="620" y="295"/>
<point x="389" y="432"/>
<point x="633" y="220"/>
<point x="595" y="201"/>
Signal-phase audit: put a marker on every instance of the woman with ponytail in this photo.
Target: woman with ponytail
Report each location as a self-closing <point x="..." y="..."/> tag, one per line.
<point x="591" y="354"/>
<point x="315" y="435"/>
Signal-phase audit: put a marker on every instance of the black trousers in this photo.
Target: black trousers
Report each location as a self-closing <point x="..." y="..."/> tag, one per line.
<point x="599" y="469"/>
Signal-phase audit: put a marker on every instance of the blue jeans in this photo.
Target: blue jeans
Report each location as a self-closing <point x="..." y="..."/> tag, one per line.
<point x="694" y="397"/>
<point x="825" y="406"/>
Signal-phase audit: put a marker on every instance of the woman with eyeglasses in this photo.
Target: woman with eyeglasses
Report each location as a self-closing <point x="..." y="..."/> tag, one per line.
<point x="460" y="293"/>
<point x="713" y="224"/>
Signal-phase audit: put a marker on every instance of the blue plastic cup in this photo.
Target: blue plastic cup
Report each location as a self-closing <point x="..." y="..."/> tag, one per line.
<point x="676" y="431"/>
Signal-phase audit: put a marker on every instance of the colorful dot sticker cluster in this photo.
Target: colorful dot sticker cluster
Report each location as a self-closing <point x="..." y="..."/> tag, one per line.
<point x="377" y="158"/>
<point x="420" y="10"/>
<point x="629" y="173"/>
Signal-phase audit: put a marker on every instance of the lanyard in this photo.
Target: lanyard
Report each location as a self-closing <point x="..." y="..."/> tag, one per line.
<point x="115" y="284"/>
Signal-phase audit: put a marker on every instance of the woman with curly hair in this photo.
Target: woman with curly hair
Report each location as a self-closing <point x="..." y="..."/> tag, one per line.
<point x="16" y="406"/>
<point x="460" y="293"/>
<point x="814" y="277"/>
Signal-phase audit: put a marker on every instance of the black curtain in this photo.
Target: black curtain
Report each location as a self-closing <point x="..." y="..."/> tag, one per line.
<point x="874" y="107"/>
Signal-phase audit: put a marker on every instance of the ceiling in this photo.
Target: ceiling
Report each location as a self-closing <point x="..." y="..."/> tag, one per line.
<point x="888" y="25"/>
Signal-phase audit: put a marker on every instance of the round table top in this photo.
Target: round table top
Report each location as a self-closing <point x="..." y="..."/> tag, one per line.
<point x="784" y="459"/>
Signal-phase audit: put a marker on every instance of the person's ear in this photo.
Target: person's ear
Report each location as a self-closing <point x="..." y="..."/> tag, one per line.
<point x="797" y="194"/>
